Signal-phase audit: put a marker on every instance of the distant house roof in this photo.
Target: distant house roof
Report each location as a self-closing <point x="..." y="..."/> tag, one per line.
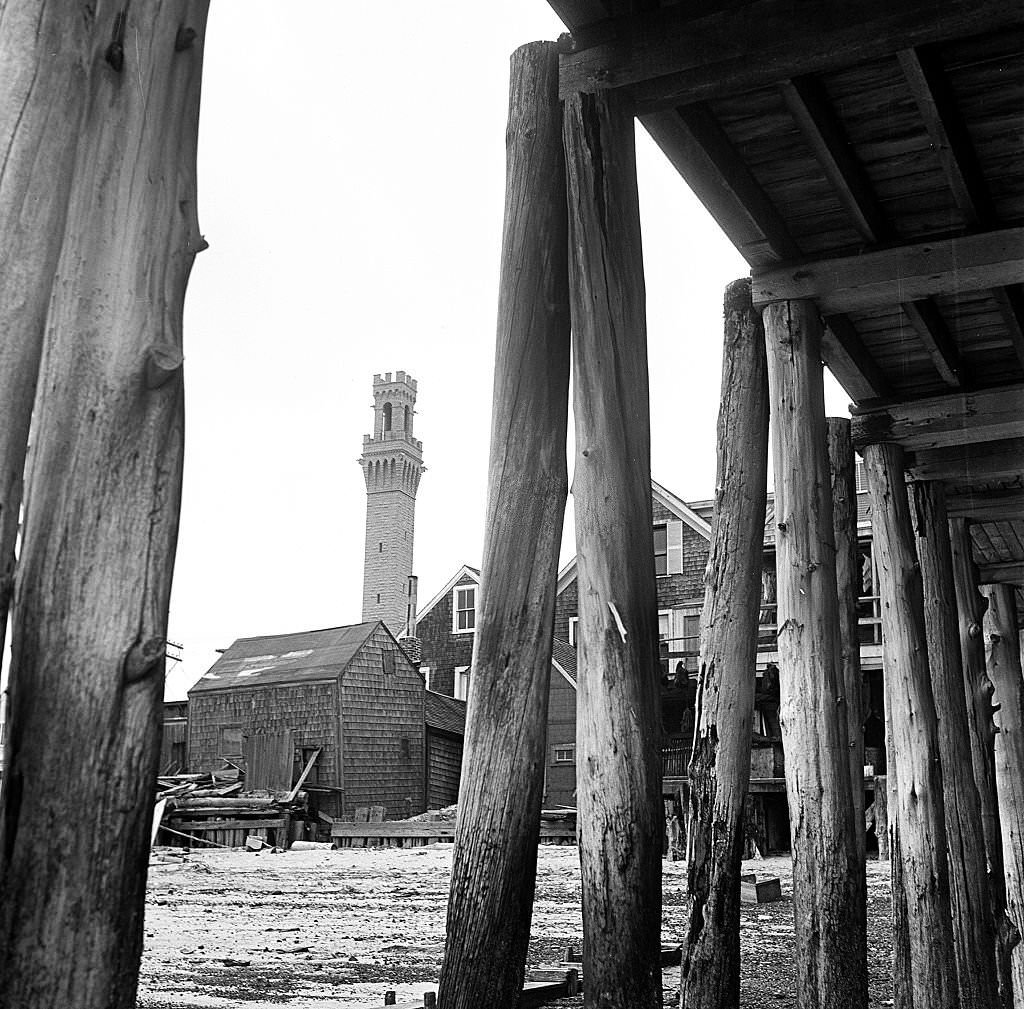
<point x="446" y="714"/>
<point x="464" y="572"/>
<point x="563" y="658"/>
<point x="286" y="658"/>
<point x="687" y="514"/>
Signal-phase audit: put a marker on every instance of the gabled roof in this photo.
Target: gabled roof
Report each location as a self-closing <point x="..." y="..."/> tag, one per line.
<point x="444" y="713"/>
<point x="464" y="572"/>
<point x="286" y="658"/>
<point x="676" y="505"/>
<point x="563" y="658"/>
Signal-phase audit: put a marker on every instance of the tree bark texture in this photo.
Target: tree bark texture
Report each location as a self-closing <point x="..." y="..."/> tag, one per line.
<point x="618" y="766"/>
<point x="844" y="531"/>
<point x="831" y="962"/>
<point x="970" y="902"/>
<point x="94" y="577"/>
<point x="918" y="809"/>
<point x="981" y="729"/>
<point x="1002" y="653"/>
<point x="44" y="49"/>
<point x="720" y="766"/>
<point x="495" y="859"/>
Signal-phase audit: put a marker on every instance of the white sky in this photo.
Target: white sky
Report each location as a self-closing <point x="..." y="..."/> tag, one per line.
<point x="351" y="181"/>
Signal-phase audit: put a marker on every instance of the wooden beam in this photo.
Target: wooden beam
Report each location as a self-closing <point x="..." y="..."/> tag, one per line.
<point x="494" y="862"/>
<point x="1002" y="573"/>
<point x="929" y="978"/>
<point x="970" y="898"/>
<point x="701" y="152"/>
<point x="668" y="58"/>
<point x="944" y="421"/>
<point x="830" y="958"/>
<point x="988" y="506"/>
<point x="894" y="276"/>
<point x="844" y="528"/>
<point x="926" y="319"/>
<point x="720" y="767"/>
<point x="970" y="606"/>
<point x="994" y="460"/>
<point x="850" y="361"/>
<point x="618" y="771"/>
<point x="818" y="124"/>
<point x="1002" y="656"/>
<point x="1011" y="306"/>
<point x="948" y="136"/>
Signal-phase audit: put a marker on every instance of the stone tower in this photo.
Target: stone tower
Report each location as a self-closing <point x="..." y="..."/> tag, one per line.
<point x="392" y="463"/>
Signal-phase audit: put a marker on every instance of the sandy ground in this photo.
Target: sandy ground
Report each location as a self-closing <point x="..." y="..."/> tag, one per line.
<point x="336" y="929"/>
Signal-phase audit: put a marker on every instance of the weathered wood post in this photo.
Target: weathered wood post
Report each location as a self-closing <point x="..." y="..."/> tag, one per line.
<point x="43" y="53"/>
<point x="617" y="762"/>
<point x="844" y="530"/>
<point x="1002" y="652"/>
<point x="495" y="860"/>
<point x="831" y="952"/>
<point x="970" y="902"/>
<point x="917" y="810"/>
<point x="970" y="615"/>
<point x="90" y="607"/>
<point x="720" y="766"/>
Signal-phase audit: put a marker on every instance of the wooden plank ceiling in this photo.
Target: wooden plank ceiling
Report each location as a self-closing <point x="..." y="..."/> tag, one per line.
<point x="868" y="156"/>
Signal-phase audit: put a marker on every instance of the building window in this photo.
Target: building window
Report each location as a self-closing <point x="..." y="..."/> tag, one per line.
<point x="464" y="609"/>
<point x="661" y="550"/>
<point x="302" y="757"/>
<point x="387" y="416"/>
<point x="564" y="754"/>
<point x="462" y="683"/>
<point x="425" y="670"/>
<point x="690" y="643"/>
<point x="573" y="632"/>
<point x="664" y="626"/>
<point x="231" y="741"/>
<point x="860" y="478"/>
<point x="388" y="662"/>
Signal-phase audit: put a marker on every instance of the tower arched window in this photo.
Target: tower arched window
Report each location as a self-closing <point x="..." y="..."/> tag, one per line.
<point x="387" y="416"/>
<point x="407" y="417"/>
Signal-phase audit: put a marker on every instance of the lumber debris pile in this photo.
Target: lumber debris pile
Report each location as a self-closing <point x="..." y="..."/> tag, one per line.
<point x="212" y="808"/>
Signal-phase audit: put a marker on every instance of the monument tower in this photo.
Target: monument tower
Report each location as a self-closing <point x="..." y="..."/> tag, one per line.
<point x="392" y="463"/>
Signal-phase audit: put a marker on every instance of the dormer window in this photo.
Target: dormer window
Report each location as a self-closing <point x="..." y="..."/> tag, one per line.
<point x="464" y="609"/>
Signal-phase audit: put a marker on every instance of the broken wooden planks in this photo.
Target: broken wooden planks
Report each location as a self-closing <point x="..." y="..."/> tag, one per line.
<point x="534" y="993"/>
<point x="765" y="891"/>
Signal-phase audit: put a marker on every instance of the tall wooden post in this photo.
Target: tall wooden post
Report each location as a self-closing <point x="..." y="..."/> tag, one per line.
<point x="43" y="53"/>
<point x="617" y="735"/>
<point x="830" y="952"/>
<point x="720" y="767"/>
<point x="90" y="609"/>
<point x="844" y="530"/>
<point x="495" y="861"/>
<point x="973" y="937"/>
<point x="918" y="808"/>
<point x="981" y="729"/>
<point x="1002" y="652"/>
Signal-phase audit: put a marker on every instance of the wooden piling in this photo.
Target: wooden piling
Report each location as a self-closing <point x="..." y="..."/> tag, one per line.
<point x="720" y="766"/>
<point x="1002" y="654"/>
<point x="44" y="52"/>
<point x="981" y="730"/>
<point x="831" y="961"/>
<point x="94" y="577"/>
<point x="618" y="765"/>
<point x="970" y="902"/>
<point x="495" y="856"/>
<point x="839" y="443"/>
<point x="919" y="810"/>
